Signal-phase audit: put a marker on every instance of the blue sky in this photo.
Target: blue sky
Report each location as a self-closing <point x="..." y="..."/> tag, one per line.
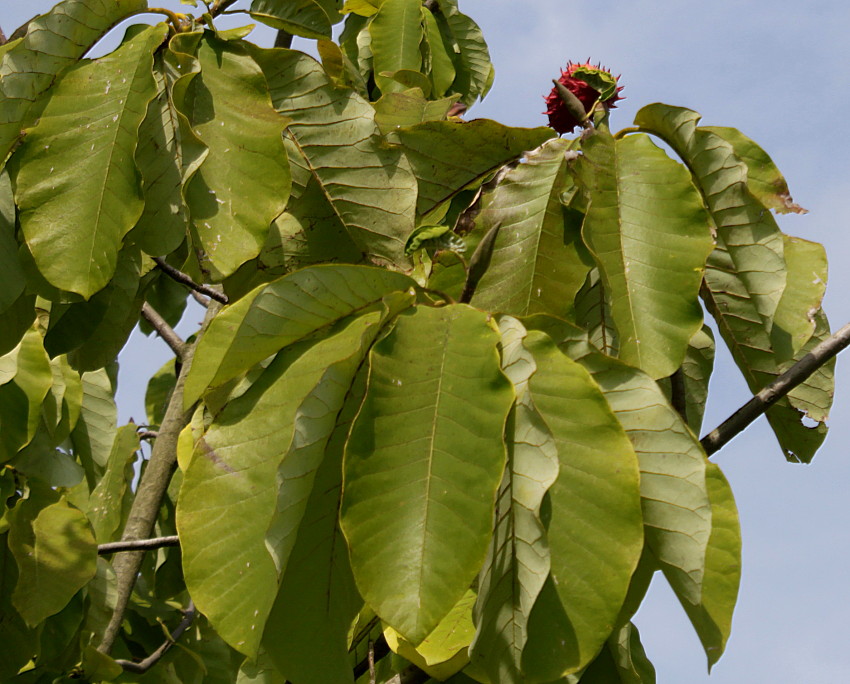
<point x="777" y="71"/>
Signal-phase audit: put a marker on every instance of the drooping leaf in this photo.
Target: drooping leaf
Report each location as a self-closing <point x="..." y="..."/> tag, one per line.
<point x="396" y="32"/>
<point x="423" y="465"/>
<point x="243" y="182"/>
<point x="304" y="18"/>
<point x="280" y="313"/>
<point x="76" y="183"/>
<point x="474" y="71"/>
<point x="712" y="616"/>
<point x="408" y="108"/>
<point x="20" y="642"/>
<point x="517" y="561"/>
<point x="595" y="532"/>
<point x="369" y="185"/>
<point x="438" y="61"/>
<point x="62" y="406"/>
<point x="745" y="228"/>
<point x="593" y="313"/>
<point x="764" y="180"/>
<point x="53" y="41"/>
<point x="650" y="236"/>
<point x="696" y="372"/>
<point x="12" y="280"/>
<point x="94" y="433"/>
<point x="621" y="661"/>
<point x="229" y="491"/>
<point x="105" y="501"/>
<point x="55" y="553"/>
<point x="446" y="156"/>
<point x="40" y="460"/>
<point x="15" y="321"/>
<point x="537" y="265"/>
<point x="158" y="392"/>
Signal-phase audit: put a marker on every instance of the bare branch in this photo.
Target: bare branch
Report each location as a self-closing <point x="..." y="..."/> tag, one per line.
<point x="137" y="545"/>
<point x="283" y="39"/>
<point x="777" y="389"/>
<point x="148" y="434"/>
<point x="219" y="6"/>
<point x="198" y="297"/>
<point x="165" y="331"/>
<point x="377" y="650"/>
<point x="144" y="665"/>
<point x="181" y="277"/>
<point x="678" y="395"/>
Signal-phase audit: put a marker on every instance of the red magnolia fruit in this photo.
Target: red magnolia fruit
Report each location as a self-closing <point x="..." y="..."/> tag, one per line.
<point x="561" y="117"/>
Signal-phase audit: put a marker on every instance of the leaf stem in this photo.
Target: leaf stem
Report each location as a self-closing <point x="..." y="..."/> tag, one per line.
<point x="165" y="331"/>
<point x="775" y="390"/>
<point x="136" y="545"/>
<point x="151" y="490"/>
<point x="144" y="665"/>
<point x="183" y="278"/>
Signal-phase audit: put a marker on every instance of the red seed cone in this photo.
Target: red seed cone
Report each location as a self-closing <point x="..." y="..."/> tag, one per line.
<point x="560" y="116"/>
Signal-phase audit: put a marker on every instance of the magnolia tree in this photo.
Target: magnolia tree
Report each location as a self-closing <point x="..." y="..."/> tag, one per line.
<point x="441" y="418"/>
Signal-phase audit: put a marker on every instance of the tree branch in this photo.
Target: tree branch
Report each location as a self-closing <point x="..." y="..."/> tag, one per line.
<point x="165" y="331"/>
<point x="148" y="434"/>
<point x="219" y="6"/>
<point x="136" y="545"/>
<point x="181" y="277"/>
<point x="151" y="489"/>
<point x="777" y="389"/>
<point x="678" y="394"/>
<point x="144" y="665"/>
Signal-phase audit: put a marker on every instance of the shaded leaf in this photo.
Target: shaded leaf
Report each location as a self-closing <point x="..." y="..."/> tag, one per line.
<point x="52" y="42"/>
<point x="368" y="185"/>
<point x="280" y="313"/>
<point x="76" y="183"/>
<point x="696" y="372"/>
<point x="94" y="433"/>
<point x="650" y="236"/>
<point x="596" y="532"/>
<point x="593" y="313"/>
<point x="408" y="108"/>
<point x="158" y="392"/>
<point x="12" y="280"/>
<point x="15" y="321"/>
<point x="474" y="72"/>
<point x="419" y="484"/>
<point x="105" y="502"/>
<point x="621" y="661"/>
<point x="396" y="31"/>
<point x="299" y="17"/>
<point x="438" y="61"/>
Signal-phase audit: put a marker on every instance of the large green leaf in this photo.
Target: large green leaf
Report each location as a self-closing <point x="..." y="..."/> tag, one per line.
<point x="595" y="532"/>
<point x="446" y="156"/>
<point x="712" y="616"/>
<point x="537" y="264"/>
<point x="15" y="321"/>
<point x="408" y="108"/>
<point x="369" y="185"/>
<point x="474" y="72"/>
<point x="19" y="642"/>
<point x="229" y="491"/>
<point x="62" y="406"/>
<point x="396" y="32"/>
<point x="437" y="60"/>
<point x="76" y="183"/>
<point x="106" y="499"/>
<point x="517" y="561"/>
<point x="423" y="465"/>
<point x="299" y="17"/>
<point x="280" y="313"/>
<point x="243" y="182"/>
<point x="649" y="232"/>
<point x="95" y="430"/>
<point x="745" y="228"/>
<point x="53" y="41"/>
<point x="55" y="552"/>
<point x="308" y="628"/>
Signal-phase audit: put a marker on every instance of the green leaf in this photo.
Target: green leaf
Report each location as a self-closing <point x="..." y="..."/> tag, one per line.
<point x="447" y="156"/>
<point x="650" y="236"/>
<point x="106" y="500"/>
<point x="396" y="31"/>
<point x="438" y="64"/>
<point x="159" y="157"/>
<point x="15" y="321"/>
<point x="408" y="108"/>
<point x="621" y="661"/>
<point x="229" y="491"/>
<point x="243" y="182"/>
<point x="712" y="616"/>
<point x="53" y="41"/>
<point x="42" y="461"/>
<point x="94" y="433"/>
<point x="420" y="484"/>
<point x="158" y="392"/>
<point x="61" y="407"/>
<point x="794" y="320"/>
<point x="75" y="178"/>
<point x="12" y="280"/>
<point x="368" y="185"/>
<point x="281" y="313"/>
<point x="364" y="8"/>
<point x="538" y="264"/>
<point x="304" y="18"/>
<point x="308" y="629"/>
<point x="764" y="180"/>
<point x="517" y="561"/>
<point x="745" y="229"/>
<point x="55" y="553"/>
<point x="696" y="372"/>
<point x="19" y="642"/>
<point x="596" y="532"/>
<point x="474" y="71"/>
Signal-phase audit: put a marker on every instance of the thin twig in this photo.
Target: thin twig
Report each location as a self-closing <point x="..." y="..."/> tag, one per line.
<point x="379" y="649"/>
<point x="371" y="656"/>
<point x="137" y="545"/>
<point x="181" y="277"/>
<point x="165" y="331"/>
<point x="198" y="297"/>
<point x="148" y="434"/>
<point x="219" y="6"/>
<point x="777" y="389"/>
<point x="144" y="665"/>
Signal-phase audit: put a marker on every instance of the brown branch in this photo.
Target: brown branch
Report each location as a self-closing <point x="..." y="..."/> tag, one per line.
<point x="148" y="434"/>
<point x="378" y="649"/>
<point x="777" y="389"/>
<point x="219" y="6"/>
<point x="151" y="490"/>
<point x="165" y="331"/>
<point x="144" y="665"/>
<point x="136" y="545"/>
<point x="198" y="297"/>
<point x="181" y="277"/>
<point x="283" y="39"/>
<point x="678" y="394"/>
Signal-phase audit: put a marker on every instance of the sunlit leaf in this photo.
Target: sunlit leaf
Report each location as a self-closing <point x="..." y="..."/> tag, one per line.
<point x="396" y="31"/>
<point x="650" y="236"/>
<point x="76" y="183"/>
<point x="408" y="108"/>
<point x="423" y="465"/>
<point x="105" y="501"/>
